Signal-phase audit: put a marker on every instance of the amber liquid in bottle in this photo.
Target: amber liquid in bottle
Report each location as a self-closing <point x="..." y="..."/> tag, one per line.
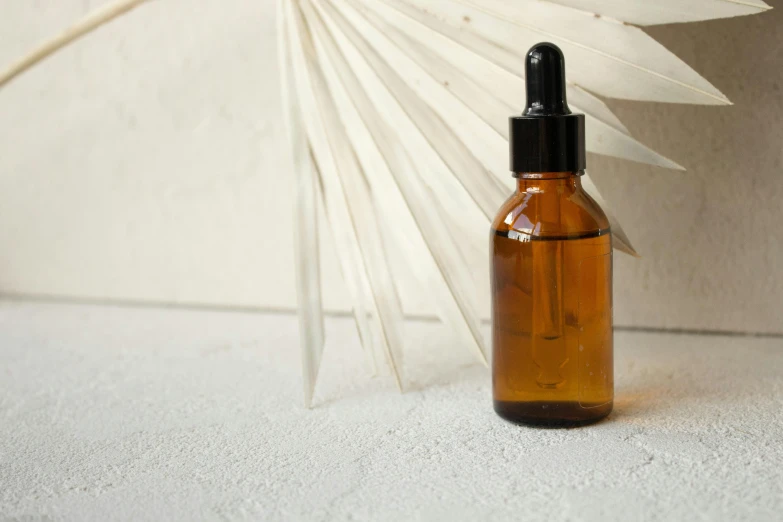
<point x="551" y="277"/>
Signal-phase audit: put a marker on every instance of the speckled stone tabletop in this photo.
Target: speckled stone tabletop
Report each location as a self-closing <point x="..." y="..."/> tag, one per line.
<point x="121" y="413"/>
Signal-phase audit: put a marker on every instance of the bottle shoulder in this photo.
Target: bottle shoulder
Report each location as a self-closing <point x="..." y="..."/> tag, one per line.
<point x="551" y="213"/>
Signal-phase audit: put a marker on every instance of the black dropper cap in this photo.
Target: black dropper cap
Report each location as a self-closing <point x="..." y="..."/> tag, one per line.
<point x="547" y="137"/>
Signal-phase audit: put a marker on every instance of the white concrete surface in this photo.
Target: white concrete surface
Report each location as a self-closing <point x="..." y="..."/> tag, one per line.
<point x="147" y="163"/>
<point x="110" y="413"/>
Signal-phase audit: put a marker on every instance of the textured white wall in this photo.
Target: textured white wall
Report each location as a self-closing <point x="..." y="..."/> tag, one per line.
<point x="712" y="237"/>
<point x="147" y="163"/>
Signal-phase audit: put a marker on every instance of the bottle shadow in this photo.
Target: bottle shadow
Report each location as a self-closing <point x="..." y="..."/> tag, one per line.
<point x="643" y="392"/>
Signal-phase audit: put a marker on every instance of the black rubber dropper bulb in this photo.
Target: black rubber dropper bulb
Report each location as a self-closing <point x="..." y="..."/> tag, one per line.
<point x="547" y="137"/>
<point x="545" y="74"/>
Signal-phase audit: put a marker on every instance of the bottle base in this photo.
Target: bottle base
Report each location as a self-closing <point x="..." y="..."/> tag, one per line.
<point x="543" y="414"/>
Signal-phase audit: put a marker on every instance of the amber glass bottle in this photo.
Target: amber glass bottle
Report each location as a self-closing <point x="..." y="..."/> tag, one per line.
<point x="551" y="272"/>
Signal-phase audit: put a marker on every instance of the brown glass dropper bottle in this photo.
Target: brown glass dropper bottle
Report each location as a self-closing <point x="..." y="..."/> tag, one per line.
<point x="551" y="267"/>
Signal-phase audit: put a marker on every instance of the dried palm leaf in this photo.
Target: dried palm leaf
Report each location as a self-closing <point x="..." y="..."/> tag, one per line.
<point x="423" y="88"/>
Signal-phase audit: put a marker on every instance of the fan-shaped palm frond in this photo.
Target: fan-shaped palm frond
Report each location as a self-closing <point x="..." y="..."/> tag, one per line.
<point x="397" y="114"/>
<point x="406" y="109"/>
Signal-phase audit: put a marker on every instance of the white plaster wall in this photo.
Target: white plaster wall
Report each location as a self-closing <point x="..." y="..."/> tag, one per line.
<point x="147" y="163"/>
<point x="712" y="237"/>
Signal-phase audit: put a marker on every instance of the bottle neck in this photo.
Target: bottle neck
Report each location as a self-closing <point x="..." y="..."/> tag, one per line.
<point x="560" y="182"/>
